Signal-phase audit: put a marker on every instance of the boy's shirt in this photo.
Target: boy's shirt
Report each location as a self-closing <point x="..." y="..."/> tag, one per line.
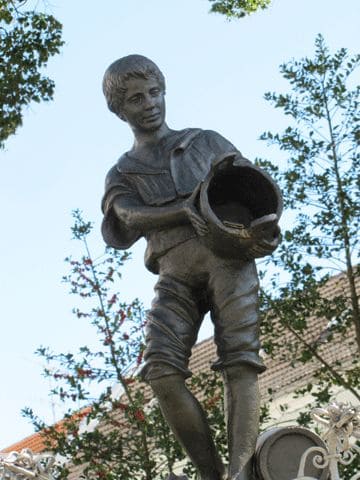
<point x="185" y="159"/>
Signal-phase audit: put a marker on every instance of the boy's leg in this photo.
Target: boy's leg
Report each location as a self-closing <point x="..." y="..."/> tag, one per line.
<point x="173" y="324"/>
<point x="235" y="315"/>
<point x="242" y="407"/>
<point x="187" y="420"/>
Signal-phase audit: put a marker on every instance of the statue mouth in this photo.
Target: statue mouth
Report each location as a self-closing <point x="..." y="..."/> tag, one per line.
<point x="152" y="118"/>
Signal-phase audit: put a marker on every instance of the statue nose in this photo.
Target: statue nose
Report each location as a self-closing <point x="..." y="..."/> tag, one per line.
<point x="150" y="102"/>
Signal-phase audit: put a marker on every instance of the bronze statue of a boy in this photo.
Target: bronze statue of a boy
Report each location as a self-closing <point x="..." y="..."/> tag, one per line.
<point x="153" y="192"/>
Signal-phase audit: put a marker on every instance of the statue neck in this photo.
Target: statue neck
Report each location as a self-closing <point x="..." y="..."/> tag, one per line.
<point x="148" y="140"/>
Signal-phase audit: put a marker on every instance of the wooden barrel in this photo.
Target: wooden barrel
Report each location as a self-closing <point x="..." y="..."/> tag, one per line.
<point x="279" y="451"/>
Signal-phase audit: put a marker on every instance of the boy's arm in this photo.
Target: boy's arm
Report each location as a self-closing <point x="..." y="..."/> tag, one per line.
<point x="127" y="218"/>
<point x="142" y="218"/>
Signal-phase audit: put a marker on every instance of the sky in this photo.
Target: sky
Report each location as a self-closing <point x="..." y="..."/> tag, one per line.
<point x="217" y="72"/>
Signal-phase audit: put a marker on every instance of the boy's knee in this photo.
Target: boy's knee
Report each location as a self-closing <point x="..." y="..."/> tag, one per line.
<point x="165" y="381"/>
<point x="241" y="371"/>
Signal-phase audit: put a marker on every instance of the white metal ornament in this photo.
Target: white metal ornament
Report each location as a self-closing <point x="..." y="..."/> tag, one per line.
<point x="342" y="422"/>
<point x="26" y="465"/>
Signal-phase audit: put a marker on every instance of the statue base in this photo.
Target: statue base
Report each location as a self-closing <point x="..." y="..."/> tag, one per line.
<point x="278" y="455"/>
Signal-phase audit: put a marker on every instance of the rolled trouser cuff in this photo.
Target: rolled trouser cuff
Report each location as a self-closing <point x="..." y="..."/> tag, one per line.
<point x="248" y="358"/>
<point x="158" y="368"/>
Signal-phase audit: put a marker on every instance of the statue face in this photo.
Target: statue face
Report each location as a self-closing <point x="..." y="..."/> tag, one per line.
<point x="144" y="104"/>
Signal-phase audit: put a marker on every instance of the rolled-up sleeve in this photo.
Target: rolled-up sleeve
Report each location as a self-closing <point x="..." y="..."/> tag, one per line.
<point x="116" y="233"/>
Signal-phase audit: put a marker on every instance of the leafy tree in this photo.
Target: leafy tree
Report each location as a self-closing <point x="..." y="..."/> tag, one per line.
<point x="27" y="40"/>
<point x="322" y="171"/>
<point x="320" y="182"/>
<point x="238" y="8"/>
<point x="113" y="436"/>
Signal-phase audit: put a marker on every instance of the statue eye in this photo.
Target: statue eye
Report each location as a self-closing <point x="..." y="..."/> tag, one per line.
<point x="136" y="99"/>
<point x="155" y="92"/>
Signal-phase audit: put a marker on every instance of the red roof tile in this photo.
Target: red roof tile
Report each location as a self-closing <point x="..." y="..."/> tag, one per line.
<point x="34" y="442"/>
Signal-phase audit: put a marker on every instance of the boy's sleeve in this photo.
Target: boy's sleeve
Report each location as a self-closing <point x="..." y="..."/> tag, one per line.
<point x="218" y="144"/>
<point x="115" y="232"/>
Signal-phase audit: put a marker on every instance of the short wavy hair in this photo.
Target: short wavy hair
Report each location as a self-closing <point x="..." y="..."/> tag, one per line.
<point x="117" y="74"/>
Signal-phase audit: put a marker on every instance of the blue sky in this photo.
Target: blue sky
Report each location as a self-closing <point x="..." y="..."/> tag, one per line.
<point x="217" y="72"/>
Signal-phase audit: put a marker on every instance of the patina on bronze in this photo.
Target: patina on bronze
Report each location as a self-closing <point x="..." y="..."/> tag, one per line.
<point x="177" y="189"/>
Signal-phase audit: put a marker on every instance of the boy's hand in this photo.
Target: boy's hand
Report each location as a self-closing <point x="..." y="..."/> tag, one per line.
<point x="192" y="213"/>
<point x="265" y="227"/>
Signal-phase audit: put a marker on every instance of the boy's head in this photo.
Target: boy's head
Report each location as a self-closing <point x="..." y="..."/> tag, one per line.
<point x="122" y="70"/>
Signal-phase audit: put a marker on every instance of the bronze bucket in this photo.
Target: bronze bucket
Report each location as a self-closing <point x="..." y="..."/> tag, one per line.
<point x="239" y="201"/>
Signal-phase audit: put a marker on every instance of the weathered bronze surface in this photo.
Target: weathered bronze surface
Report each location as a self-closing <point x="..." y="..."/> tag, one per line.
<point x="279" y="451"/>
<point x="206" y="213"/>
